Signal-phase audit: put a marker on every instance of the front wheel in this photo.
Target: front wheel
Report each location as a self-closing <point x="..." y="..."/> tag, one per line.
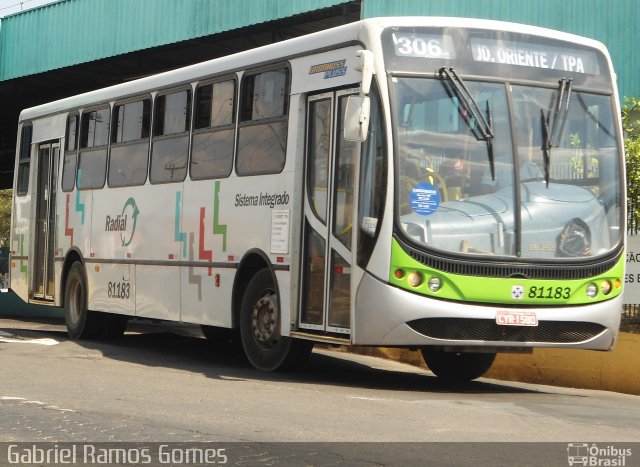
<point x="457" y="366"/>
<point x="260" y="320"/>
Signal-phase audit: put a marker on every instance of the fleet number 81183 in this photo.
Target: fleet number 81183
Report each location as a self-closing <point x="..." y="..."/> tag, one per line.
<point x="552" y="293"/>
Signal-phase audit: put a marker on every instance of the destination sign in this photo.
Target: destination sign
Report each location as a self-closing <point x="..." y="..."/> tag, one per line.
<point x="529" y="54"/>
<point x="421" y="45"/>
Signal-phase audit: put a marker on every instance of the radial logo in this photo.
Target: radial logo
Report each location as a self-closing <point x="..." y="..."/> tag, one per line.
<point x="125" y="222"/>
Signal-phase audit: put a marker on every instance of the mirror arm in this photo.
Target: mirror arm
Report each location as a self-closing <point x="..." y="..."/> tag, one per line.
<point x="366" y="67"/>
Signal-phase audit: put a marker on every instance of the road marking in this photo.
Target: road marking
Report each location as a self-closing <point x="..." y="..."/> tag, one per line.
<point x="44" y="405"/>
<point x="376" y="399"/>
<point x="43" y="341"/>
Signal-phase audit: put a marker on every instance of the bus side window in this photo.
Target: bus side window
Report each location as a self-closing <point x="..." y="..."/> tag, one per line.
<point x="129" y="156"/>
<point x="94" y="137"/>
<point x="170" y="145"/>
<point x="24" y="162"/>
<point x="213" y="130"/>
<point x="262" y="130"/>
<point x="70" y="153"/>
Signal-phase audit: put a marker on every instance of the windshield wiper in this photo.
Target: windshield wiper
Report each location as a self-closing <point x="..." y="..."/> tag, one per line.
<point x="552" y="138"/>
<point x="482" y="130"/>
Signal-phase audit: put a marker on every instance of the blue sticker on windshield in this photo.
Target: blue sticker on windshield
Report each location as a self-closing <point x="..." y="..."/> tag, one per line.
<point x="424" y="199"/>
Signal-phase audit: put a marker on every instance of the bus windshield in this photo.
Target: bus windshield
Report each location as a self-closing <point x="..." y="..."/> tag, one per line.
<point x="542" y="183"/>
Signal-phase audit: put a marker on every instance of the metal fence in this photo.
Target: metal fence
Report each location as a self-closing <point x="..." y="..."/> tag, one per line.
<point x="631" y="314"/>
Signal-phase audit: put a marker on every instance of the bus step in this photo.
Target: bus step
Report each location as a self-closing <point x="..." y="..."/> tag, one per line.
<point x="321" y="338"/>
<point x="41" y="301"/>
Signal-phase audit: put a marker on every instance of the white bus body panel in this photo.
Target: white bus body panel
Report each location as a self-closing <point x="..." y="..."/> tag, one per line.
<point x="49" y="128"/>
<point x="21" y="245"/>
<point x="205" y="298"/>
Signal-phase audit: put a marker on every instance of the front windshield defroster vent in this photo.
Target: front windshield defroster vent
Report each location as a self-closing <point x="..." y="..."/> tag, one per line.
<point x="467" y="267"/>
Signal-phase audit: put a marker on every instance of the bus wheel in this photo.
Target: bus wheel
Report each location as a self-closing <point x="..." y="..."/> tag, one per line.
<point x="457" y="366"/>
<point x="264" y="347"/>
<point x="81" y="323"/>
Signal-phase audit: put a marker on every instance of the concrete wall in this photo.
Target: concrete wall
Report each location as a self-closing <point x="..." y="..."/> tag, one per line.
<point x="618" y="370"/>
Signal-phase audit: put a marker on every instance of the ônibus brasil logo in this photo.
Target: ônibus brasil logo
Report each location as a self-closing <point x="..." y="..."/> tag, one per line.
<point x="125" y="223"/>
<point x="597" y="456"/>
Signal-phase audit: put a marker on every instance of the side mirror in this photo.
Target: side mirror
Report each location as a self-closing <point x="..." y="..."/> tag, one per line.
<point x="356" y="118"/>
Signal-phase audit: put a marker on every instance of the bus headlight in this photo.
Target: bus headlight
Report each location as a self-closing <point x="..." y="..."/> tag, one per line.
<point x="414" y="278"/>
<point x="605" y="287"/>
<point x="435" y="284"/>
<point x="592" y="290"/>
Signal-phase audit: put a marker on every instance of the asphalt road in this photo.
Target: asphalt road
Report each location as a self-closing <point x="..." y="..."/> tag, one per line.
<point x="156" y="385"/>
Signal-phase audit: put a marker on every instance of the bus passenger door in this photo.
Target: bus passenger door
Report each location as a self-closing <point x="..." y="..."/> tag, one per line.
<point x="328" y="212"/>
<point x="43" y="287"/>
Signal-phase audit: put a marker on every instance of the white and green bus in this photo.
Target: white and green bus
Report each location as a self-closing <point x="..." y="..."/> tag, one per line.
<point x="443" y="184"/>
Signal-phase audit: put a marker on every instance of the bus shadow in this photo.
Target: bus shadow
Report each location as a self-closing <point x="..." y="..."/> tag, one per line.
<point x="185" y="349"/>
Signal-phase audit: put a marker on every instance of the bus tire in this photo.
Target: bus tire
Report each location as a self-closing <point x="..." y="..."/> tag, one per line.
<point x="457" y="366"/>
<point x="81" y="323"/>
<point x="264" y="346"/>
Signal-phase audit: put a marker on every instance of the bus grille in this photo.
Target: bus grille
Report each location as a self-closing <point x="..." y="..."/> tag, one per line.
<point x="506" y="269"/>
<point x="559" y="332"/>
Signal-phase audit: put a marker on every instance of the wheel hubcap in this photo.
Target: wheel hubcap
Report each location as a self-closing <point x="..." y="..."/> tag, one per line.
<point x="265" y="321"/>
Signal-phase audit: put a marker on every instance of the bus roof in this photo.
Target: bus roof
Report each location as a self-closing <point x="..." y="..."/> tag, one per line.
<point x="358" y="32"/>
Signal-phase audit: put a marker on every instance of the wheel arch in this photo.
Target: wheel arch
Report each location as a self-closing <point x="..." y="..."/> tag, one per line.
<point x="253" y="261"/>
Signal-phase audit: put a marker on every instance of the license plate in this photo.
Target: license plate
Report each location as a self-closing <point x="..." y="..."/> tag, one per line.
<point x="516" y="318"/>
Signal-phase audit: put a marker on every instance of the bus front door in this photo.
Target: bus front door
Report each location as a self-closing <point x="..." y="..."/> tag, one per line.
<point x="329" y="213"/>
<point x="43" y="279"/>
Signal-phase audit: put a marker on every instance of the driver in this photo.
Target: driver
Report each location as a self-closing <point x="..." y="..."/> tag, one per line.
<point x="455" y="175"/>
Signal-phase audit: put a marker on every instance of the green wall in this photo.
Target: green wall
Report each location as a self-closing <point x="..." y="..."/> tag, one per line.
<point x="70" y="32"/>
<point x="77" y="31"/>
<point x="613" y="22"/>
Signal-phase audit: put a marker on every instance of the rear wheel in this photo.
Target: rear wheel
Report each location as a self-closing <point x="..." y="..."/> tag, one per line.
<point x="260" y="320"/>
<point x="81" y="323"/>
<point x="457" y="366"/>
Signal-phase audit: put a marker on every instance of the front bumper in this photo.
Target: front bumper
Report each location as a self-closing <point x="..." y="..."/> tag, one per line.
<point x="383" y="312"/>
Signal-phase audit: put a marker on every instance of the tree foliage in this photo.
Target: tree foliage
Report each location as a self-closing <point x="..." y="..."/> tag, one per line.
<point x="631" y="127"/>
<point x="5" y="217"/>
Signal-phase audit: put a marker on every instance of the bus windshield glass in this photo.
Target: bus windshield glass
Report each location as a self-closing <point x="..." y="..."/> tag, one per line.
<point x="512" y="170"/>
